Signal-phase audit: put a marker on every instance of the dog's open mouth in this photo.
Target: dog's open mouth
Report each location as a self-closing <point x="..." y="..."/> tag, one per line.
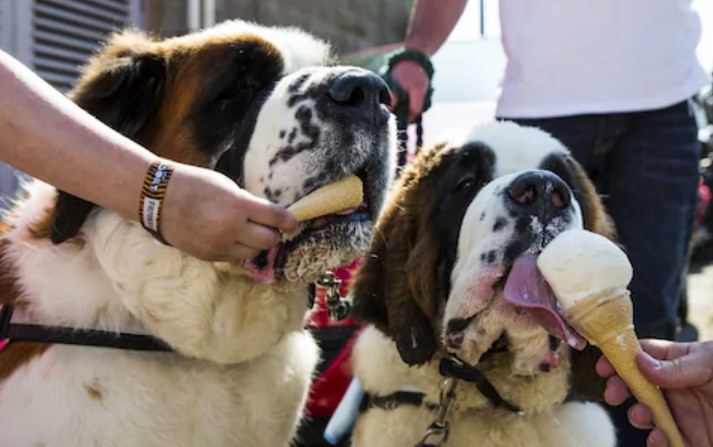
<point x="267" y="267"/>
<point x="358" y="214"/>
<point x="526" y="288"/>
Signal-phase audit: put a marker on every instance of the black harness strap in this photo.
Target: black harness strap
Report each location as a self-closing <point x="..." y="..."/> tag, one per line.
<point x="448" y="367"/>
<point x="452" y="368"/>
<point x="73" y="336"/>
<point x="393" y="400"/>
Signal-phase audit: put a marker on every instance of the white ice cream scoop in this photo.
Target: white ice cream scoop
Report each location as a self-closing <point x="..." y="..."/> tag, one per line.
<point x="579" y="263"/>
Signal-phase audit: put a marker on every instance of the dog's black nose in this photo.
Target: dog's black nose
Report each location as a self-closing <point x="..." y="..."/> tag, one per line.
<point x="359" y="95"/>
<point x="539" y="193"/>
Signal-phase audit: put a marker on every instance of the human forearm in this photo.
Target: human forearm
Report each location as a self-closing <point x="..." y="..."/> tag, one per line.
<point x="432" y="22"/>
<point x="49" y="137"/>
<point x="204" y="213"/>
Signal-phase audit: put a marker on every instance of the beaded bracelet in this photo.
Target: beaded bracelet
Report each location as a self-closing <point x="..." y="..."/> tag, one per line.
<point x="152" y="195"/>
<point x="420" y="58"/>
<point x="410" y="54"/>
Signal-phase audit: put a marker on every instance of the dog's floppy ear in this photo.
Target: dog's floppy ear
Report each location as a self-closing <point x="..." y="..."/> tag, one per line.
<point x="595" y="216"/>
<point x="396" y="288"/>
<point x="122" y="87"/>
<point x="586" y="383"/>
<point x="391" y="299"/>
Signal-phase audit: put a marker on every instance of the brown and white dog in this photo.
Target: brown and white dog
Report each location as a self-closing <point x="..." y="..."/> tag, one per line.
<point x="264" y="106"/>
<point x="458" y="233"/>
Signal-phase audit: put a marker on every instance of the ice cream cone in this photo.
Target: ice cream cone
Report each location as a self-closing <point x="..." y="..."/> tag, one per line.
<point x="338" y="196"/>
<point x="606" y="321"/>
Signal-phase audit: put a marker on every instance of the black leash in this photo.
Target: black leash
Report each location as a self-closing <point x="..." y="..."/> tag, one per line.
<point x="338" y="309"/>
<point x="454" y="370"/>
<point x="72" y="336"/>
<point x="401" y="111"/>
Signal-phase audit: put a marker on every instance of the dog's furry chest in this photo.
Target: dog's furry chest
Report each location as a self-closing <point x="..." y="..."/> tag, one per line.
<point x="89" y="396"/>
<point x="243" y="366"/>
<point x="545" y="422"/>
<point x="573" y="424"/>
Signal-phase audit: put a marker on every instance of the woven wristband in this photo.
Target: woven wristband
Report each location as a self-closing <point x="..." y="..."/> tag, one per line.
<point x="152" y="195"/>
<point x="420" y="58"/>
<point x="409" y="54"/>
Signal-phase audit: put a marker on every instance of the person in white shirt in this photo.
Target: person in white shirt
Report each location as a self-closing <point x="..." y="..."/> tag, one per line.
<point x="612" y="80"/>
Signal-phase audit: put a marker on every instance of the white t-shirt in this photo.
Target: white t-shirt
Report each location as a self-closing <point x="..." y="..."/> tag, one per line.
<point x="569" y="57"/>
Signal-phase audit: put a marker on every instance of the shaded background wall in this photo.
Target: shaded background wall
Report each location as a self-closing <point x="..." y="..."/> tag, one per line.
<point x="56" y="37"/>
<point x="348" y="24"/>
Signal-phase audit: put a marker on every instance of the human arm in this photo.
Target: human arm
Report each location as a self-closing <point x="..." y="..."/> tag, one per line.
<point x="684" y="371"/>
<point x="49" y="137"/>
<point x="431" y="23"/>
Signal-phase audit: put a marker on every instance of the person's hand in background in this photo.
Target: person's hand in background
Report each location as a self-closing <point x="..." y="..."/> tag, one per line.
<point x="413" y="79"/>
<point x="684" y="371"/>
<point x="430" y="26"/>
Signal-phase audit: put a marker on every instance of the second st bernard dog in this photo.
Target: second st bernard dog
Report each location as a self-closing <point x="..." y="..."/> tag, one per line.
<point x="458" y="231"/>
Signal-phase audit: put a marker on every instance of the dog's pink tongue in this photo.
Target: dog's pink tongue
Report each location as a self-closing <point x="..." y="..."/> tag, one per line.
<point x="262" y="268"/>
<point x="527" y="288"/>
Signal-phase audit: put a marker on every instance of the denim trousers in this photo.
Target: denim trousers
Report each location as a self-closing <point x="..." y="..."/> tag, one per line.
<point x="645" y="167"/>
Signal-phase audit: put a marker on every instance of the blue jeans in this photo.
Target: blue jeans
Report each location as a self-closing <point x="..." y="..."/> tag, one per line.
<point x="645" y="166"/>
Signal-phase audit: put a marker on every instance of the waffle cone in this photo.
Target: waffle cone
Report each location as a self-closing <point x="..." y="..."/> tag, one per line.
<point x="606" y="321"/>
<point x="338" y="196"/>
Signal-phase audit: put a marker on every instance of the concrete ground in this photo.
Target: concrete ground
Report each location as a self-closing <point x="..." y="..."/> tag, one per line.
<point x="700" y="300"/>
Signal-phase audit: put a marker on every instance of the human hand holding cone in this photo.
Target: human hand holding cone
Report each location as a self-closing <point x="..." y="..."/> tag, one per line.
<point x="606" y="322"/>
<point x="589" y="275"/>
<point x="338" y="196"/>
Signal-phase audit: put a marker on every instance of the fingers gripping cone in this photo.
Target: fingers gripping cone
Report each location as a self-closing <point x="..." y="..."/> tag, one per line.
<point x="589" y="275"/>
<point x="338" y="196"/>
<point x="606" y="322"/>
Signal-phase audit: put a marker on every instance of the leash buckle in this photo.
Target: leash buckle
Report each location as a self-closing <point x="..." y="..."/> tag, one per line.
<point x="337" y="308"/>
<point x="437" y="433"/>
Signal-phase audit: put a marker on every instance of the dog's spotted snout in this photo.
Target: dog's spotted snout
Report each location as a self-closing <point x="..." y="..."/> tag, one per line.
<point x="360" y="94"/>
<point x="539" y="193"/>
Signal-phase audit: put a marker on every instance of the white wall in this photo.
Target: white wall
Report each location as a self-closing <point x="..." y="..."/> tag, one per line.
<point x="705" y="47"/>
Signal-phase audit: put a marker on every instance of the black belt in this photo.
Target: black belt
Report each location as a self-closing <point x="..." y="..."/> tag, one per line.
<point x="72" y="336"/>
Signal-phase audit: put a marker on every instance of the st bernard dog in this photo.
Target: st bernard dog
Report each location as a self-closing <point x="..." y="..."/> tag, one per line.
<point x="266" y="107"/>
<point x="456" y="236"/>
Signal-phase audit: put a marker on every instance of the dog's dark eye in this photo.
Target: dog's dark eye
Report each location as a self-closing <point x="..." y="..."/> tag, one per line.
<point x="466" y="183"/>
<point x="240" y="90"/>
<point x="230" y="94"/>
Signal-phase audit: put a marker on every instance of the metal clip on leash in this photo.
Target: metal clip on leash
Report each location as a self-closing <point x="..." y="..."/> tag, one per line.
<point x="337" y="308"/>
<point x="437" y="433"/>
